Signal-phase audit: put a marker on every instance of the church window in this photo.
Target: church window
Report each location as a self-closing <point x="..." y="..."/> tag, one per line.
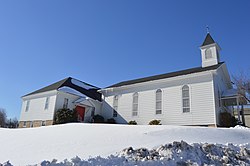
<point x="27" y="105"/>
<point x="185" y="99"/>
<point x="46" y="103"/>
<point x="135" y="104"/>
<point x="65" y="103"/>
<point x="158" y="101"/>
<point x="115" y="106"/>
<point x="208" y="53"/>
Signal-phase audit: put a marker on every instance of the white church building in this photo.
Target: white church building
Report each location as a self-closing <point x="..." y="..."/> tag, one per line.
<point x="194" y="97"/>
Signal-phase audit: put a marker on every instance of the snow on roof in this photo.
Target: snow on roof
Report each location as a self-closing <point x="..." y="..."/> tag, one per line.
<point x="82" y="84"/>
<point x="71" y="90"/>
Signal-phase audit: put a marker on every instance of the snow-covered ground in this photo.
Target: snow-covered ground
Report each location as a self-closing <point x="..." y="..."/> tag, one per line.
<point x="34" y="145"/>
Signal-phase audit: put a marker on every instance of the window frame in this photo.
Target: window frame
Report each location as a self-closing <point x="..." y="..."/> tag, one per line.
<point x="46" y="106"/>
<point x="158" y="111"/>
<point x="115" y="106"/>
<point x="186" y="98"/>
<point x="43" y="122"/>
<point x="135" y="112"/>
<point x="27" y="106"/>
<point x="31" y="124"/>
<point x="208" y="53"/>
<point x="65" y="103"/>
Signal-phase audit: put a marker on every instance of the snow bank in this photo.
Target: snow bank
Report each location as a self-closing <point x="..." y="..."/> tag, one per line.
<point x="176" y="153"/>
<point x="33" y="145"/>
<point x="241" y="127"/>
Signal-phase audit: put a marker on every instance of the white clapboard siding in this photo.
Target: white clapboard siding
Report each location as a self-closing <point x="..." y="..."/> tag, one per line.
<point x="60" y="100"/>
<point x="201" y="98"/>
<point x="37" y="109"/>
<point x="221" y="84"/>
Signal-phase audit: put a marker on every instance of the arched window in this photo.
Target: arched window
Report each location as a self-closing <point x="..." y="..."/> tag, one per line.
<point x="115" y="106"/>
<point x="158" y="101"/>
<point x="135" y="104"/>
<point x="208" y="53"/>
<point x="185" y="99"/>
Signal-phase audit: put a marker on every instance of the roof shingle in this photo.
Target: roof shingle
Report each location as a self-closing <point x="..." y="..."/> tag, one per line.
<point x="208" y="40"/>
<point x="167" y="75"/>
<point x="68" y="83"/>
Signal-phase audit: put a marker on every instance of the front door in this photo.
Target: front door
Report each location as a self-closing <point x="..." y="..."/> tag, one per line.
<point x="80" y="113"/>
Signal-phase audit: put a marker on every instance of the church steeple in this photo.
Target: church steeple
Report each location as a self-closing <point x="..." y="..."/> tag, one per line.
<point x="210" y="52"/>
<point x="208" y="40"/>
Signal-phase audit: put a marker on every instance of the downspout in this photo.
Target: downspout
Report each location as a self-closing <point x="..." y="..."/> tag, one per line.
<point x="214" y="105"/>
<point x="238" y="108"/>
<point x="243" y="115"/>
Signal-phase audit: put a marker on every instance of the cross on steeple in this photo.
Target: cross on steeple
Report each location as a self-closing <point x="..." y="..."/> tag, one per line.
<point x="207" y="29"/>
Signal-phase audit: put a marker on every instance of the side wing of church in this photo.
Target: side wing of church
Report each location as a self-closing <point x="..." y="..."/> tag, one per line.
<point x="187" y="97"/>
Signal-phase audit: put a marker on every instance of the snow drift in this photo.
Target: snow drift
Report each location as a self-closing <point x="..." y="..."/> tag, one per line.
<point x="34" y="145"/>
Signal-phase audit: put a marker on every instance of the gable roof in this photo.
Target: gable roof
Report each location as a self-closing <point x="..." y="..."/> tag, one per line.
<point x="208" y="40"/>
<point x="67" y="82"/>
<point x="167" y="75"/>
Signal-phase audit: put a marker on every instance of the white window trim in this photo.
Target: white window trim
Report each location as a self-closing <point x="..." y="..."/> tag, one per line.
<point x="189" y="92"/>
<point x="159" y="100"/>
<point x="44" y="122"/>
<point x="27" y="106"/>
<point x="31" y="124"/>
<point x="137" y="104"/>
<point x="67" y="105"/>
<point x="206" y="55"/>
<point x="47" y="100"/>
<point x="115" y="111"/>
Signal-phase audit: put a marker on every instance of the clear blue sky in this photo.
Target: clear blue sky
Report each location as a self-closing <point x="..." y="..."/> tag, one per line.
<point x="103" y="42"/>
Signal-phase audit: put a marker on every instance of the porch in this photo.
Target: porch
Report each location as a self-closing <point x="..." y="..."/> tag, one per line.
<point x="232" y="98"/>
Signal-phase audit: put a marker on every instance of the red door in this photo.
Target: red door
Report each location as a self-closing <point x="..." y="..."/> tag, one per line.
<point x="80" y="112"/>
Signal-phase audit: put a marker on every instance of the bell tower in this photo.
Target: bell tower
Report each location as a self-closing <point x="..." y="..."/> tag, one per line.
<point x="210" y="52"/>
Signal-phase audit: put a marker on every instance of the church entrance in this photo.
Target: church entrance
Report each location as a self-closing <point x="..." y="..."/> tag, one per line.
<point x="80" y="113"/>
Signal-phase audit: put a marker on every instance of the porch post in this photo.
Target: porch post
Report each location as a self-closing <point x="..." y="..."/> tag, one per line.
<point x="238" y="108"/>
<point x="242" y="114"/>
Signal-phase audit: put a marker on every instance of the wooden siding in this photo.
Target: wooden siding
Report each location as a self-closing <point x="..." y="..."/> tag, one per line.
<point x="60" y="100"/>
<point x="36" y="108"/>
<point x="221" y="83"/>
<point x="201" y="100"/>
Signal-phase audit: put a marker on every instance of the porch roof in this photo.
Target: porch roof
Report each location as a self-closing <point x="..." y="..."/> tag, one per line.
<point x="231" y="96"/>
<point x="84" y="101"/>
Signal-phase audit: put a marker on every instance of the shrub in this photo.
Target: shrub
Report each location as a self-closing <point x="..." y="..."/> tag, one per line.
<point x="155" y="122"/>
<point x="132" y="122"/>
<point x="111" y="121"/>
<point x="226" y="119"/>
<point x="234" y="121"/>
<point x="65" y="116"/>
<point x="98" y="119"/>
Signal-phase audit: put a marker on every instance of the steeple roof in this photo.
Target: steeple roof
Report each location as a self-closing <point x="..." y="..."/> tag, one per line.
<point x="208" y="40"/>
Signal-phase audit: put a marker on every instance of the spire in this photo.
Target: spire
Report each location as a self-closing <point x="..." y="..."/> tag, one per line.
<point x="208" y="40"/>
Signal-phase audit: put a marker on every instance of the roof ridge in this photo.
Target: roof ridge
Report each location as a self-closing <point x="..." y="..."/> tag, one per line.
<point x="165" y="75"/>
<point x="53" y="86"/>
